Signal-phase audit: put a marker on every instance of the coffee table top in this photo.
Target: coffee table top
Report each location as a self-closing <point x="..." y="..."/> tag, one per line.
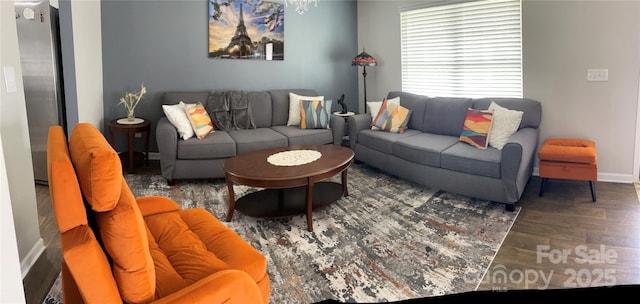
<point x="253" y="169"/>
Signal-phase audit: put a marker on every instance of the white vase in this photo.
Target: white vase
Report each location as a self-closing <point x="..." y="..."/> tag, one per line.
<point x="131" y="116"/>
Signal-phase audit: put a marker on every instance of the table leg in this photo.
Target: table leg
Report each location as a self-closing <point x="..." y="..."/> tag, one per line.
<point x="310" y="206"/>
<point x="113" y="143"/>
<point x="345" y="191"/>
<point x="232" y="201"/>
<point x="130" y="146"/>
<point x="146" y="149"/>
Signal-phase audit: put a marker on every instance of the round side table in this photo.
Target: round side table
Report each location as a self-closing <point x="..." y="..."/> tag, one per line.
<point x="345" y="116"/>
<point x="131" y="130"/>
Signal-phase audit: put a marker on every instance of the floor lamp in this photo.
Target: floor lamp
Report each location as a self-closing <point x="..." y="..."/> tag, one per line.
<point x="364" y="60"/>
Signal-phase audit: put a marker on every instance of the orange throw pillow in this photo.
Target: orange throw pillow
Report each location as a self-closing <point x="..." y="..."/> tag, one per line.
<point x="200" y="120"/>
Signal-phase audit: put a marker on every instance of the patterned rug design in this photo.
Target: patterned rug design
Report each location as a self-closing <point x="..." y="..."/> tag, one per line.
<point x="389" y="240"/>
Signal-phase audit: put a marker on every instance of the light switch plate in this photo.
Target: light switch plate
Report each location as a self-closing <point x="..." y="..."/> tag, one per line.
<point x="597" y="74"/>
<point x="10" y="79"/>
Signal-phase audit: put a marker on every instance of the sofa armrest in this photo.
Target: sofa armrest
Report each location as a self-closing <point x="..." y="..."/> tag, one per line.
<point x="167" y="138"/>
<point x="518" y="156"/>
<point x="357" y="123"/>
<point x="338" y="127"/>
<point x="226" y="286"/>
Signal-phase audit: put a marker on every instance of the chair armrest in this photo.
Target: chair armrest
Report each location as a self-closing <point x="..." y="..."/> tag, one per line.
<point x="357" y="123"/>
<point x="338" y="127"/>
<point x="167" y="138"/>
<point x="518" y="156"/>
<point x="88" y="267"/>
<point x="226" y="286"/>
<point x="151" y="205"/>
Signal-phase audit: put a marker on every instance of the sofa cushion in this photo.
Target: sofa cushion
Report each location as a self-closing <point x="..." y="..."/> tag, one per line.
<point x="189" y="245"/>
<point x="465" y="158"/>
<point x="382" y="141"/>
<point x="294" y="107"/>
<point x="179" y="119"/>
<point x="182" y="258"/>
<point x="261" y="108"/>
<point x="297" y="136"/>
<point x="280" y="104"/>
<point x="216" y="145"/>
<point x="477" y="128"/>
<point x="315" y="114"/>
<point x="505" y="123"/>
<point x="392" y="117"/>
<point x="66" y="197"/>
<point x="532" y="109"/>
<point x="256" y="139"/>
<point x="122" y="229"/>
<point x="415" y="103"/>
<point x="124" y="236"/>
<point x="423" y="148"/>
<point x="374" y="107"/>
<point x="98" y="167"/>
<point x="225" y="243"/>
<point x="199" y="119"/>
<point x="444" y="115"/>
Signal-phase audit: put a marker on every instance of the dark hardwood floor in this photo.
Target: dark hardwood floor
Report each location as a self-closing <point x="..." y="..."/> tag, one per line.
<point x="559" y="240"/>
<point x="564" y="240"/>
<point x="45" y="271"/>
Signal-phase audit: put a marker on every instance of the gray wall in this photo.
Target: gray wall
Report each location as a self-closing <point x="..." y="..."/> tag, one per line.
<point x="561" y="40"/>
<point x="68" y="63"/>
<point x="163" y="44"/>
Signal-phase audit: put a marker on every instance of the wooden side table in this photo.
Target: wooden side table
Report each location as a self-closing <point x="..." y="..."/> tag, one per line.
<point x="143" y="127"/>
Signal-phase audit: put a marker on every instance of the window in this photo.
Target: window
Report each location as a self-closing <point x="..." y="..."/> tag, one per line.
<point x="464" y="49"/>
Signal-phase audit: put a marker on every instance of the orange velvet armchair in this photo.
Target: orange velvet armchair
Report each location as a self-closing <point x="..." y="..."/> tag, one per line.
<point x="121" y="249"/>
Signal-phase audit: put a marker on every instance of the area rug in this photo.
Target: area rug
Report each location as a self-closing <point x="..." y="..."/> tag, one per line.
<point x="389" y="240"/>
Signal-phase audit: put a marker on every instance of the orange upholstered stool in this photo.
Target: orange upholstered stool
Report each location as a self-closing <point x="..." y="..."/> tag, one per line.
<point x="568" y="158"/>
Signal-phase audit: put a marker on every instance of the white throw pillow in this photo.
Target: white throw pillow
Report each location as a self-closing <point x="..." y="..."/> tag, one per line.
<point x="373" y="107"/>
<point x="178" y="118"/>
<point x="294" y="107"/>
<point x="505" y="123"/>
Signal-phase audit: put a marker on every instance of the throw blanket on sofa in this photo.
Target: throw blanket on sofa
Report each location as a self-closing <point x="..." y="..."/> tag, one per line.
<point x="229" y="110"/>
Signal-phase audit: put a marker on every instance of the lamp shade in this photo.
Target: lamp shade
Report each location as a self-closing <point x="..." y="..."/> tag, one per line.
<point x="364" y="59"/>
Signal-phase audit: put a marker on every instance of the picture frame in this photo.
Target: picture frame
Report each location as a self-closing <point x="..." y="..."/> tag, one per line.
<point x="246" y="29"/>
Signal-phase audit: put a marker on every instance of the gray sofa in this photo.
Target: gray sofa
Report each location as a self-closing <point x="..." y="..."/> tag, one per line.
<point x="196" y="159"/>
<point x="429" y="151"/>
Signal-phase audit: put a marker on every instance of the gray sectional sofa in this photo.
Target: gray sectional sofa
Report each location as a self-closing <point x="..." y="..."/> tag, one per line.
<point x="195" y="158"/>
<point x="429" y="151"/>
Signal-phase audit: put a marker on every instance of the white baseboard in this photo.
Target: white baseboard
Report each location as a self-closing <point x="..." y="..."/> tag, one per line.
<point x="152" y="155"/>
<point x="616" y="178"/>
<point x="606" y="177"/>
<point x="31" y="257"/>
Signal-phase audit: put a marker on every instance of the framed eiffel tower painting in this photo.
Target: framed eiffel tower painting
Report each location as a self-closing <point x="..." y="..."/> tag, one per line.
<point x="246" y="29"/>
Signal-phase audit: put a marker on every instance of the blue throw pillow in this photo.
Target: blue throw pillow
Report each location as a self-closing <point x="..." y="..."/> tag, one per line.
<point x="315" y="114"/>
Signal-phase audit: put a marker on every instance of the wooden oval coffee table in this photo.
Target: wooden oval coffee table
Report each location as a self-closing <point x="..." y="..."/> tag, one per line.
<point x="288" y="189"/>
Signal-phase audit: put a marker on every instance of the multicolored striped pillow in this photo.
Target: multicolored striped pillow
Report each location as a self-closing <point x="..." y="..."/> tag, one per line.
<point x="476" y="129"/>
<point x="200" y="120"/>
<point x="315" y="114"/>
<point x="392" y="117"/>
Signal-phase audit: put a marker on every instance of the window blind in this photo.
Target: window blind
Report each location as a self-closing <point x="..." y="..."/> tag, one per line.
<point x="469" y="49"/>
